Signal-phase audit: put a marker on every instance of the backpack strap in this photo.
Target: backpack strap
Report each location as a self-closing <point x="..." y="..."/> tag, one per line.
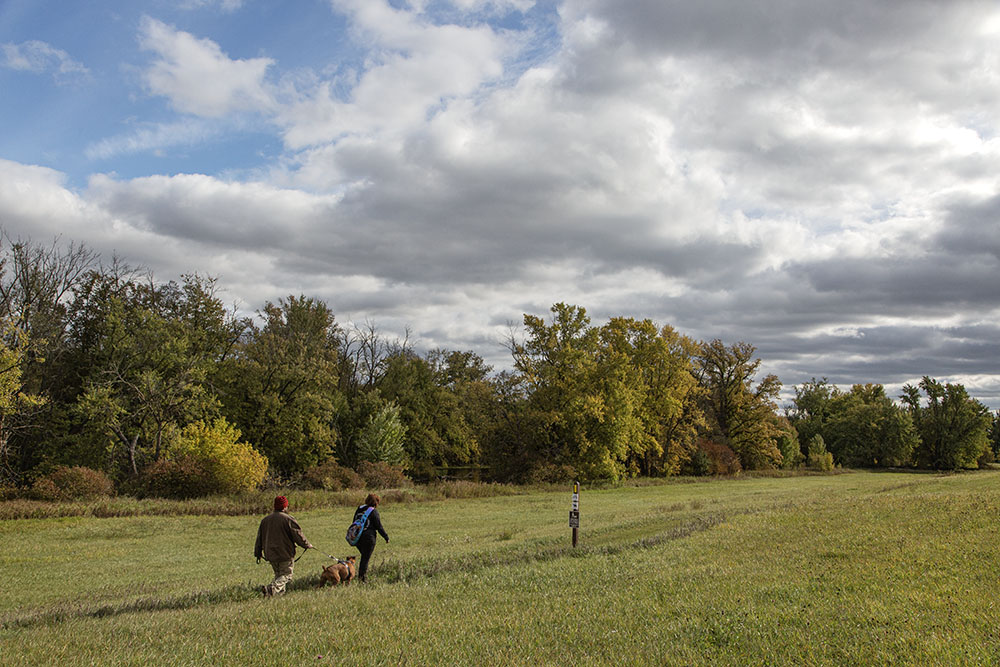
<point x="364" y="517"/>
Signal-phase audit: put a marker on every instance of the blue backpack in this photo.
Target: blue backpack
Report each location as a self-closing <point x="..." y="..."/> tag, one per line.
<point x="355" y="529"/>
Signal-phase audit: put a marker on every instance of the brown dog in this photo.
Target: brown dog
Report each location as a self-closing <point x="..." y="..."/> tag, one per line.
<point x="340" y="572"/>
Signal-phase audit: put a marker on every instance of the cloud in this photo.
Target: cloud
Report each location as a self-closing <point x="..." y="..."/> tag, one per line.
<point x="415" y="67"/>
<point x="224" y="5"/>
<point x="198" y="77"/>
<point x="817" y="181"/>
<point x="186" y="132"/>
<point x="38" y="57"/>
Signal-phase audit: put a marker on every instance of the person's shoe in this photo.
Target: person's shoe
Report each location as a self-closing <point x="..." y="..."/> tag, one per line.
<point x="265" y="591"/>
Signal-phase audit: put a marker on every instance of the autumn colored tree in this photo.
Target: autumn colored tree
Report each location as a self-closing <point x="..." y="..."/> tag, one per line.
<point x="657" y="365"/>
<point x="584" y="413"/>
<point x="741" y="413"/>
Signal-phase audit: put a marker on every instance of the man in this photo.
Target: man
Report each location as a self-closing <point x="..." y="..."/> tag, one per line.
<point x="277" y="536"/>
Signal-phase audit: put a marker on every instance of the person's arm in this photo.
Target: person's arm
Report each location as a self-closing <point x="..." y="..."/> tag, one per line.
<point x="258" y="547"/>
<point x="376" y="522"/>
<point x="296" y="533"/>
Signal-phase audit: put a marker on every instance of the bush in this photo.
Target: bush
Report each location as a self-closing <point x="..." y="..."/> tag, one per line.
<point x="699" y="465"/>
<point x="819" y="458"/>
<point x="180" y="478"/>
<point x="723" y="459"/>
<point x="232" y="466"/>
<point x="332" y="477"/>
<point x="380" y="475"/>
<point x="72" y="483"/>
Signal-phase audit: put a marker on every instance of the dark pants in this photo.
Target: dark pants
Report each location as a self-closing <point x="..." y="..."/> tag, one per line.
<point x="366" y="545"/>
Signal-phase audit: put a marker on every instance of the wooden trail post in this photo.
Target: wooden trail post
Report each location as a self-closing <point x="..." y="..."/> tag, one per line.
<point x="574" y="512"/>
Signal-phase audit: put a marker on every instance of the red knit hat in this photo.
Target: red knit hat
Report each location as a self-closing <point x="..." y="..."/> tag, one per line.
<point x="280" y="503"/>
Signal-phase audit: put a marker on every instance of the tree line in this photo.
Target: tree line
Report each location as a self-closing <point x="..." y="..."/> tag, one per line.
<point x="154" y="383"/>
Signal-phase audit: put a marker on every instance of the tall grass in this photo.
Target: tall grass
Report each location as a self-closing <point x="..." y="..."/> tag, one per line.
<point x="241" y="505"/>
<point x="852" y="569"/>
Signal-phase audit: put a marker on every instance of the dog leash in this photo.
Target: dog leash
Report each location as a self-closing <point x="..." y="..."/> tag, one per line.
<point x="315" y="549"/>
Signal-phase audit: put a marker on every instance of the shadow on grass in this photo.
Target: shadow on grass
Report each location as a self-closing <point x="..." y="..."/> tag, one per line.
<point x="392" y="573"/>
<point x="200" y="598"/>
<point x="384" y="573"/>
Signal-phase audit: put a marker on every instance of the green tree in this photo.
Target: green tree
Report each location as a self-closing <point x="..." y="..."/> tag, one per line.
<point x="36" y="282"/>
<point x="382" y="438"/>
<point x="788" y="444"/>
<point x="810" y="409"/>
<point x="818" y="458"/>
<point x="148" y="377"/>
<point x="953" y="427"/>
<point x="281" y="386"/>
<point x="15" y="403"/>
<point x="865" y="428"/>
<point x="742" y="414"/>
<point x="995" y="435"/>
<point x="656" y="366"/>
<point x="437" y="433"/>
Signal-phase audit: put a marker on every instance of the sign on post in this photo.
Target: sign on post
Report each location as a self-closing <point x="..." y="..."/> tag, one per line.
<point x="574" y="511"/>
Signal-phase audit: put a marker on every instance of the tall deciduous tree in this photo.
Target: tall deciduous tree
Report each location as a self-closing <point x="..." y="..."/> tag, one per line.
<point x="657" y="366"/>
<point x="282" y="388"/>
<point x="15" y="403"/>
<point x="953" y="427"/>
<point x="437" y="433"/>
<point x="150" y="365"/>
<point x="743" y="414"/>
<point x="810" y="409"/>
<point x="865" y="428"/>
<point x="36" y="282"/>
<point x="559" y="366"/>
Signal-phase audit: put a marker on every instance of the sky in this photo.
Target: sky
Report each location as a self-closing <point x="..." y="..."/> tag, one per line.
<point x="819" y="179"/>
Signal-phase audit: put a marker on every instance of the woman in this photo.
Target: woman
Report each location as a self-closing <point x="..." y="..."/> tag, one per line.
<point x="366" y="545"/>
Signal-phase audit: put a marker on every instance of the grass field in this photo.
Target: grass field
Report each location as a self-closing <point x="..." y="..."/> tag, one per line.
<point x="859" y="568"/>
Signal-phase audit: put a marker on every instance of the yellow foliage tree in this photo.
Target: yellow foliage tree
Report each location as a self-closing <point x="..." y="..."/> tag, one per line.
<point x="234" y="466"/>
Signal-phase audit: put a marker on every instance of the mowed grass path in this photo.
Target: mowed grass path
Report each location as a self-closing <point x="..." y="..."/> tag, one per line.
<point x="859" y="568"/>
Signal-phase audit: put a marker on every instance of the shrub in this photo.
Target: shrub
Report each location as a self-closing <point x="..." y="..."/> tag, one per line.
<point x="180" y="478"/>
<point x="44" y="489"/>
<point x="723" y="459"/>
<point x="233" y="466"/>
<point x="332" y="477"/>
<point x="72" y="483"/>
<point x="819" y="458"/>
<point x="699" y="464"/>
<point x="380" y="475"/>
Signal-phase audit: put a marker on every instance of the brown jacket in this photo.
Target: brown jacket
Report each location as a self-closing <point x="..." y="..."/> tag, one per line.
<point x="277" y="536"/>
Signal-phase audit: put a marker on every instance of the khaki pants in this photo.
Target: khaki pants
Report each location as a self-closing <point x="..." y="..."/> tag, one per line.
<point x="282" y="575"/>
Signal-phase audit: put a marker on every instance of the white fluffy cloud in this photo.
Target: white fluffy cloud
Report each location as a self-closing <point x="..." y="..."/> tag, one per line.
<point x="415" y="67"/>
<point x="198" y="77"/>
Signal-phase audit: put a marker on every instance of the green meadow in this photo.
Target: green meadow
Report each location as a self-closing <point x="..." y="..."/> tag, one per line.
<point x="857" y="568"/>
